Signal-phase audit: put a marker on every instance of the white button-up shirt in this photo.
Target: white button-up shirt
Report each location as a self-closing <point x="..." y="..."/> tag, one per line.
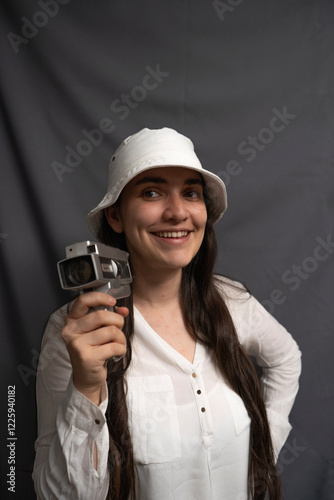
<point x="190" y="431"/>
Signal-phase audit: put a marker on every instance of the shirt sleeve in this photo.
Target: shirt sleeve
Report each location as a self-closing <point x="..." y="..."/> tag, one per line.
<point x="69" y="427"/>
<point x="278" y="355"/>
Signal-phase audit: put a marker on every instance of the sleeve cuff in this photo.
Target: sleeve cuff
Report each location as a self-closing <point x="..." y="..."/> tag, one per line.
<point x="280" y="428"/>
<point x="81" y="413"/>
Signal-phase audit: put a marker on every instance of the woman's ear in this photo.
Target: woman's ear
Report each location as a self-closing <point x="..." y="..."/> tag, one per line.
<point x="113" y="217"/>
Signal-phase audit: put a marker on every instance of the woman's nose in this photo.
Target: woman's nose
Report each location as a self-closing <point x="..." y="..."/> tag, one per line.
<point x="175" y="208"/>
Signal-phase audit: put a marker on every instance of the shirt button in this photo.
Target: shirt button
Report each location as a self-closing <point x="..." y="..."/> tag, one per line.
<point x="194" y="375"/>
<point x="199" y="392"/>
<point x="203" y="410"/>
<point x="97" y="421"/>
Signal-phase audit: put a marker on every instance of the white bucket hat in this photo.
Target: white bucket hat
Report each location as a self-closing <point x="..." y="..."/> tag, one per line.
<point x="156" y="148"/>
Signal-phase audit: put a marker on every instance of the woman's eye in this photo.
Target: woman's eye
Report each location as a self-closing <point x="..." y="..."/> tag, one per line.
<point x="193" y="194"/>
<point x="150" y="193"/>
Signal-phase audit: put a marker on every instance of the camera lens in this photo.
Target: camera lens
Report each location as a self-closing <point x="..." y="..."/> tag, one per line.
<point x="79" y="271"/>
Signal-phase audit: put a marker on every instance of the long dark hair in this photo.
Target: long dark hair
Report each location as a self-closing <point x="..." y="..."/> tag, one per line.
<point x="208" y="319"/>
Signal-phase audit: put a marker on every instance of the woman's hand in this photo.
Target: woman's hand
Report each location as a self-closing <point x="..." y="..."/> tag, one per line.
<point x="91" y="339"/>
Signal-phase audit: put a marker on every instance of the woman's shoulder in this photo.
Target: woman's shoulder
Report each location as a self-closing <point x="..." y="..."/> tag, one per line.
<point x="231" y="289"/>
<point x="56" y="323"/>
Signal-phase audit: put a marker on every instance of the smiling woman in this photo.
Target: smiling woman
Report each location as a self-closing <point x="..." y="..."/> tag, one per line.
<point x="181" y="414"/>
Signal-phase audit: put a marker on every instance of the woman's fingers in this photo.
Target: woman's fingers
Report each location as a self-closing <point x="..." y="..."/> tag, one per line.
<point x="89" y="300"/>
<point x="101" y="337"/>
<point x="79" y="321"/>
<point x="93" y="321"/>
<point x="123" y="311"/>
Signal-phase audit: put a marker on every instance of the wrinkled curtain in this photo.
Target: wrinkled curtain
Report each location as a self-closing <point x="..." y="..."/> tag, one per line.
<point x="251" y="83"/>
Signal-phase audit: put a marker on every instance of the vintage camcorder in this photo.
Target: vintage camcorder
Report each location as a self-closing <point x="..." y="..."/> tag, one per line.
<point x="91" y="266"/>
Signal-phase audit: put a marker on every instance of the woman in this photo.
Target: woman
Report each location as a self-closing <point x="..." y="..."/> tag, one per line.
<point x="182" y="414"/>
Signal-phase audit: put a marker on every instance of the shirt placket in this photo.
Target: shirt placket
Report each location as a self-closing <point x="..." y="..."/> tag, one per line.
<point x="203" y="408"/>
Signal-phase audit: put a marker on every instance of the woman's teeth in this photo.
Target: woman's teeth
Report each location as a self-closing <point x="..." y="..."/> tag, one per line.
<point x="173" y="234"/>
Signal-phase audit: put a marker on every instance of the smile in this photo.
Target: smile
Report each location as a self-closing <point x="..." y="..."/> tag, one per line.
<point x="172" y="234"/>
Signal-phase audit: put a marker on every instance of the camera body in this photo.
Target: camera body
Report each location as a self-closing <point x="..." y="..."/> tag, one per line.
<point x="92" y="266"/>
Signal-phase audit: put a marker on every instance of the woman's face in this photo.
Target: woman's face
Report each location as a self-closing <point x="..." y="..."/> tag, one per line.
<point x="163" y="215"/>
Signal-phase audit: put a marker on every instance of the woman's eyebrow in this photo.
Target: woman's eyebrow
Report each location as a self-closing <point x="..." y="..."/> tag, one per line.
<point x="196" y="180"/>
<point x="153" y="180"/>
<point x="161" y="180"/>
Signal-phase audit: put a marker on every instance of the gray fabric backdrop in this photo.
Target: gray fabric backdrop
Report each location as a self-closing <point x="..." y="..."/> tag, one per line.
<point x="251" y="83"/>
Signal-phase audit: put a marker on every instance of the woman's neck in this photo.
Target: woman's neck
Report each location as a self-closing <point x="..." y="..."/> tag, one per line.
<point x="156" y="289"/>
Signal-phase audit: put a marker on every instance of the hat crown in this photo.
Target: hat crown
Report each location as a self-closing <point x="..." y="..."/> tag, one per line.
<point x="148" y="147"/>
